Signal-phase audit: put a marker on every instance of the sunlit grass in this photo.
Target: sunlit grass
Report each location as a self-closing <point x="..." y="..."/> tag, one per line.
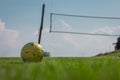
<point x="67" y="68"/>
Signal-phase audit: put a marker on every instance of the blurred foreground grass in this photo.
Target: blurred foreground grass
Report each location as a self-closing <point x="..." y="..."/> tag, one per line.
<point x="61" y="68"/>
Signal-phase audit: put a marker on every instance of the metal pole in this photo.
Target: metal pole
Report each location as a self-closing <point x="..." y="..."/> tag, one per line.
<point x="50" y="22"/>
<point x="41" y="26"/>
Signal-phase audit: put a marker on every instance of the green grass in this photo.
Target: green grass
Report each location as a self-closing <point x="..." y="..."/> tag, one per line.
<point x="113" y="53"/>
<point x="61" y="68"/>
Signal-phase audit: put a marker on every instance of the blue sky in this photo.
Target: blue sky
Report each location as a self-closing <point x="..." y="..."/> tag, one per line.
<point x="20" y="21"/>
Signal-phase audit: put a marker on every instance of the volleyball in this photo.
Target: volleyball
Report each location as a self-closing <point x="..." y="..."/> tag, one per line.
<point x="32" y="52"/>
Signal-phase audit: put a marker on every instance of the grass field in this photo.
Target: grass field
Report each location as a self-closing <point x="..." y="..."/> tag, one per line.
<point x="61" y="68"/>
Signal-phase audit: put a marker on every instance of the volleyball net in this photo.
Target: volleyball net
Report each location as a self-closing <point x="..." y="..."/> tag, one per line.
<point x="84" y="25"/>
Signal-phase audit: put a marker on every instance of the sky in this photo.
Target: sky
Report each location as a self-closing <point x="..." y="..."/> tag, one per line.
<point x="20" y="22"/>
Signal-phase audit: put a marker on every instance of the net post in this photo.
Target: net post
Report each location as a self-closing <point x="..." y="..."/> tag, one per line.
<point x="41" y="26"/>
<point x="50" y="22"/>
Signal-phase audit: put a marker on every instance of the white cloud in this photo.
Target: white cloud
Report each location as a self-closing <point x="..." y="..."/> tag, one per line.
<point x="91" y="45"/>
<point x="9" y="42"/>
<point x="65" y="25"/>
<point x="45" y="30"/>
<point x="78" y="45"/>
<point x="108" y="30"/>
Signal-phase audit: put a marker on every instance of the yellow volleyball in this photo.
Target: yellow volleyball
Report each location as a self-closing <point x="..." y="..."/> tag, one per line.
<point x="32" y="52"/>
